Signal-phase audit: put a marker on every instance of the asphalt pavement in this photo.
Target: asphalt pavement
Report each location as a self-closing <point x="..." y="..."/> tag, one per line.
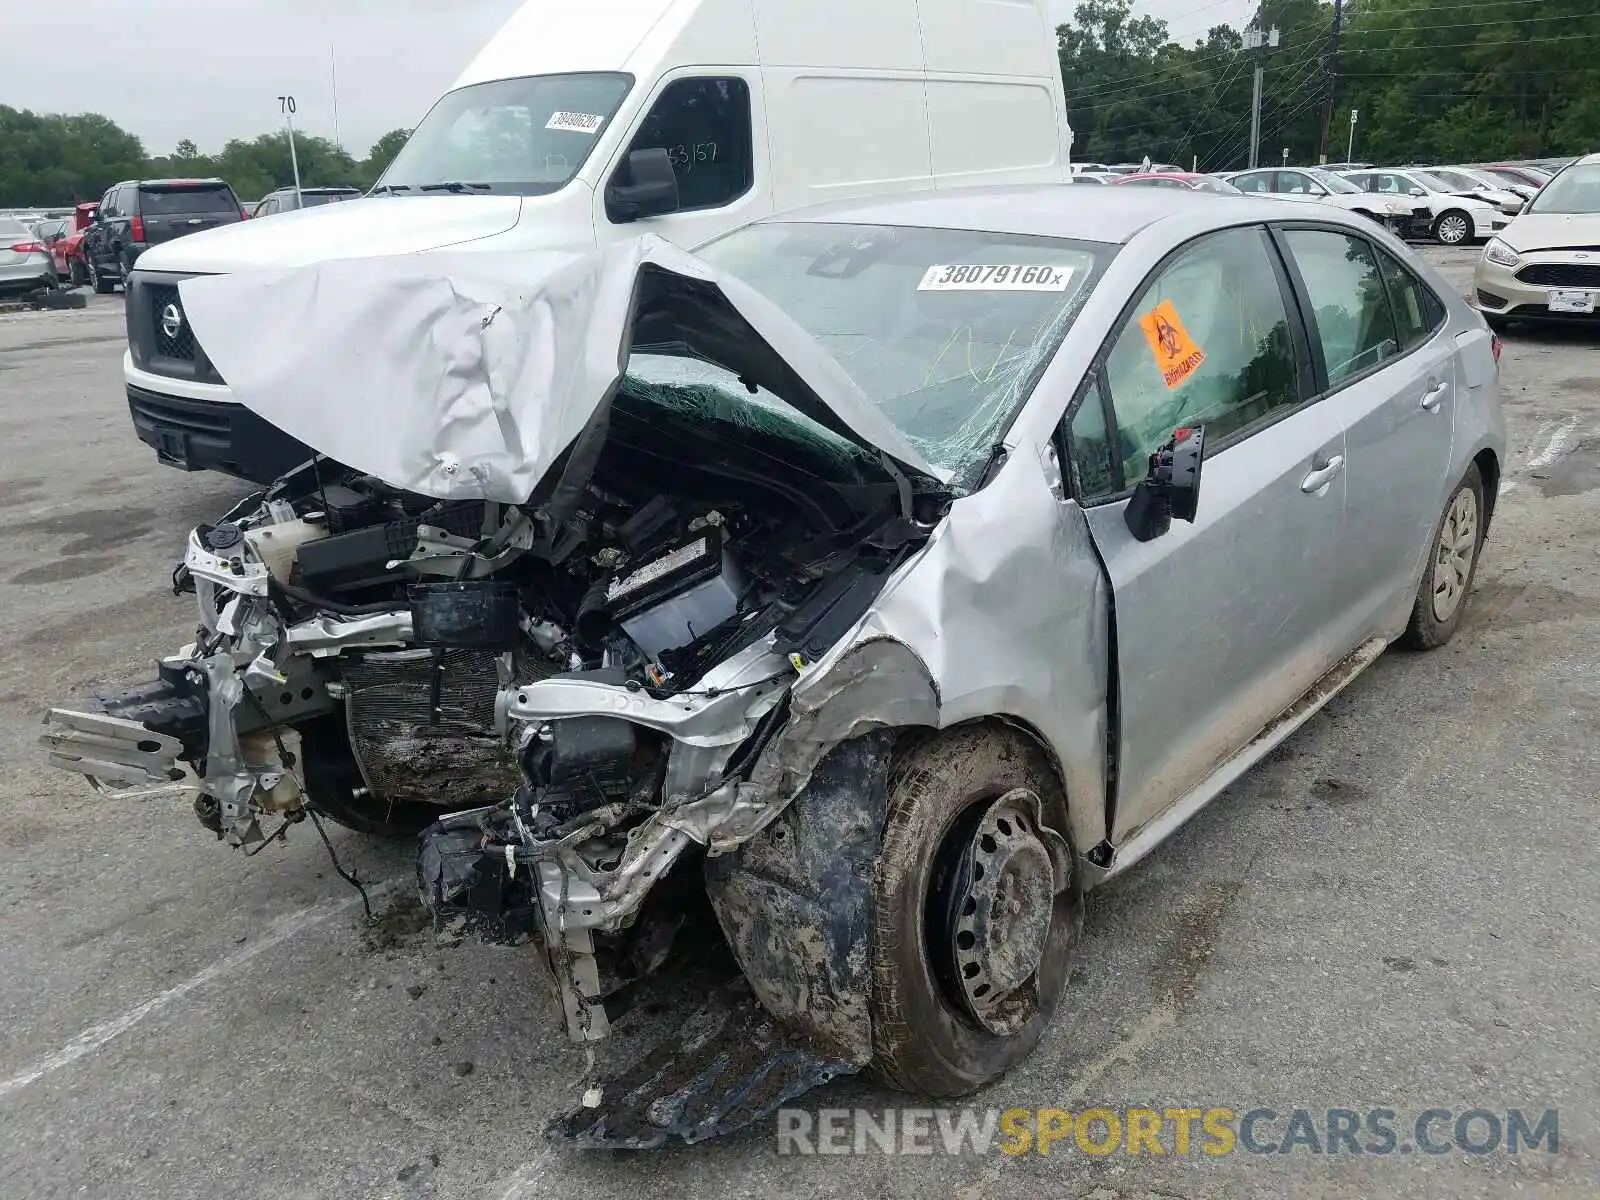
<point x="1398" y="909"/>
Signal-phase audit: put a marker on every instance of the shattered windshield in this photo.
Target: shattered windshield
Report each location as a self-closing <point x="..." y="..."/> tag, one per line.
<point x="523" y="136"/>
<point x="943" y="329"/>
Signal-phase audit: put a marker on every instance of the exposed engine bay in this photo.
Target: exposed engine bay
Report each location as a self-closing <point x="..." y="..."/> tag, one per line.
<point x="570" y="696"/>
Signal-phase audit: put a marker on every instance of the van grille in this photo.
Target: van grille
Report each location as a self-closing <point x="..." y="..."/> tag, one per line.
<point x="179" y="344"/>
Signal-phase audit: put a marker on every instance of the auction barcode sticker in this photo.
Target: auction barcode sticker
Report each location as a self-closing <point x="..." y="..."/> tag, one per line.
<point x="983" y="277"/>
<point x="575" y="122"/>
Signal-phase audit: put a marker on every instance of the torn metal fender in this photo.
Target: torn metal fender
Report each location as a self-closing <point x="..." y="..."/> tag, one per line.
<point x="796" y="903"/>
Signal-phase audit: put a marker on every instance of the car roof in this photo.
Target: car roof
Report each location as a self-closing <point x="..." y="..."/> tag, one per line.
<point x="1185" y="176"/>
<point x="1060" y="210"/>
<point x="180" y="183"/>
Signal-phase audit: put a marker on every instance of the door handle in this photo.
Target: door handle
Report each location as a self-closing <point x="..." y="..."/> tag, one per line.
<point x="1435" y="395"/>
<point x="1322" y="476"/>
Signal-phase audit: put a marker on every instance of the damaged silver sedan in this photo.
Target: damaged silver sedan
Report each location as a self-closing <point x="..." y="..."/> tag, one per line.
<point x="852" y="580"/>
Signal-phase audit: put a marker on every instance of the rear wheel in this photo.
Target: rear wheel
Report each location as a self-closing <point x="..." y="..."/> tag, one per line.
<point x="1452" y="228"/>
<point x="972" y="938"/>
<point x="76" y="271"/>
<point x="102" y="285"/>
<point x="1452" y="564"/>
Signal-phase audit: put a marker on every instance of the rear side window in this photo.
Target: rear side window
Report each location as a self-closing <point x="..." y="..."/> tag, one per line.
<point x="704" y="126"/>
<point x="1417" y="311"/>
<point x="1258" y="182"/>
<point x="1208" y="342"/>
<point x="1295" y="184"/>
<point x="164" y="202"/>
<point x="1350" y="308"/>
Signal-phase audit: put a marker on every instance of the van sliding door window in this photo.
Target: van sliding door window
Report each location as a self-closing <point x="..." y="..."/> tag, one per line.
<point x="704" y="126"/>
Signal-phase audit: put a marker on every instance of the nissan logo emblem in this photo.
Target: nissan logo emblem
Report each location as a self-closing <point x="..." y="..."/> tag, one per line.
<point x="172" y="321"/>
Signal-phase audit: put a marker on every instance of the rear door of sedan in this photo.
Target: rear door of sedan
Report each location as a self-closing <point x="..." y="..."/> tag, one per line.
<point x="1385" y="359"/>
<point x="1223" y="623"/>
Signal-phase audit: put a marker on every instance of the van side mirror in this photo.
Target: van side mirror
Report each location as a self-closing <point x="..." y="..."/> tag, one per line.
<point x="651" y="189"/>
<point x="1171" y="488"/>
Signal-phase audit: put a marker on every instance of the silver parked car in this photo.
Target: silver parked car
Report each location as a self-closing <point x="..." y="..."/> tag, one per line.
<point x="879" y="579"/>
<point x="25" y="261"/>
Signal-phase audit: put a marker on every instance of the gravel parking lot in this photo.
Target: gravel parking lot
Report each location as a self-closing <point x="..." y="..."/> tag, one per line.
<point x="1397" y="909"/>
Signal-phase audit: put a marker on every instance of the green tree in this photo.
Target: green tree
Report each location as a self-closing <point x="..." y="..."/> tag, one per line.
<point x="262" y="164"/>
<point x="52" y="159"/>
<point x="381" y="155"/>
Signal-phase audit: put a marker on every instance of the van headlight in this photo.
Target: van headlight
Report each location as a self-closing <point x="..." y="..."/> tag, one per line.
<point x="1501" y="254"/>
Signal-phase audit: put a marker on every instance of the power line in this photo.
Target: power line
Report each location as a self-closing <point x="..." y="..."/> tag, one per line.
<point x="1431" y="46"/>
<point x="1460" y="25"/>
<point x="1233" y="131"/>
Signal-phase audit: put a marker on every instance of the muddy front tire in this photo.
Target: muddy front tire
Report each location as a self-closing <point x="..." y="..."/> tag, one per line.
<point x="929" y="1035"/>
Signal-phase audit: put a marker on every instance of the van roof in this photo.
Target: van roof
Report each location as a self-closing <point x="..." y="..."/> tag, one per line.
<point x="1049" y="209"/>
<point x="599" y="35"/>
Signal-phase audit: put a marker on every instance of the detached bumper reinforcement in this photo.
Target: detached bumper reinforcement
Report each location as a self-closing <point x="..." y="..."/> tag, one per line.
<point x="110" y="749"/>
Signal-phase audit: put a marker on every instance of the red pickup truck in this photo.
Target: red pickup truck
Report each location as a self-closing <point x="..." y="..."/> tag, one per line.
<point x="67" y="247"/>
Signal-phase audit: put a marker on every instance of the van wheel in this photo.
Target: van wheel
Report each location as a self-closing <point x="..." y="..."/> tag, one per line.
<point x="972" y="938"/>
<point x="1452" y="228"/>
<point x="1451" y="567"/>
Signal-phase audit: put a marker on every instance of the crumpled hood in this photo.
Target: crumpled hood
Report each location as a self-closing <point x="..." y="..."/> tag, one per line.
<point x="467" y="376"/>
<point x="1553" y="231"/>
<point x="349" y="229"/>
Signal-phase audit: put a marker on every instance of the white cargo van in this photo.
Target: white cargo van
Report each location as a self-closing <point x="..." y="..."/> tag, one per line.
<point x="579" y="124"/>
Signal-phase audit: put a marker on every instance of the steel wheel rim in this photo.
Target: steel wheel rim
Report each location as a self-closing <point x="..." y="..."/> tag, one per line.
<point x="1453" y="554"/>
<point x="1452" y="230"/>
<point x="991" y="917"/>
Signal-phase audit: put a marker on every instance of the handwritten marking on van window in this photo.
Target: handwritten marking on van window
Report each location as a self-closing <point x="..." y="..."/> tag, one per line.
<point x="684" y="157"/>
<point x="1006" y="277"/>
<point x="574" y="122"/>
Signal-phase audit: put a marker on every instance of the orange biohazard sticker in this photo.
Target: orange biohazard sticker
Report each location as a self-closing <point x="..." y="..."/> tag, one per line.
<point x="1176" y="354"/>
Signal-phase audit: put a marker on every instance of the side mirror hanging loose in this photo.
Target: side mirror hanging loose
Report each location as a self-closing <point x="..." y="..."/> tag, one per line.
<point x="1172" y="486"/>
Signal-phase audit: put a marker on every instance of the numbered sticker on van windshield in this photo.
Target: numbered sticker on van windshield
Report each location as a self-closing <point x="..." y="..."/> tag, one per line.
<point x="1009" y="277"/>
<point x="575" y="122"/>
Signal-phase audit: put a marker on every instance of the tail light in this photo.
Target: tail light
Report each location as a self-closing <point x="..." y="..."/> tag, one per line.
<point x="28" y="248"/>
<point x="136" y="226"/>
<point x="1495" y="347"/>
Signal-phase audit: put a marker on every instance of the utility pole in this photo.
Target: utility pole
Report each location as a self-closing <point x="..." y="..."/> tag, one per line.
<point x="333" y="72"/>
<point x="1260" y="42"/>
<point x="1333" y="82"/>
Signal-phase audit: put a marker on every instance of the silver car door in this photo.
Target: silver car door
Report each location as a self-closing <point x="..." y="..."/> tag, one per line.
<point x="1220" y="624"/>
<point x="1387" y="362"/>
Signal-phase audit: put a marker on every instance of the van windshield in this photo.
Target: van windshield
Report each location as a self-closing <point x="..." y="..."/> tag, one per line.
<point x="524" y="137"/>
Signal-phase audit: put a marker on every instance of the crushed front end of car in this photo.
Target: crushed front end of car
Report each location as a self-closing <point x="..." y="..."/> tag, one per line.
<point x="637" y="606"/>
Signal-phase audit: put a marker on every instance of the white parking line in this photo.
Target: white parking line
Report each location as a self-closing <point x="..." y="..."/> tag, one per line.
<point x="1558" y="445"/>
<point x="95" y="1036"/>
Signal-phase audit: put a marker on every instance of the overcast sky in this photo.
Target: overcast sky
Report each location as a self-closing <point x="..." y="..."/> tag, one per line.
<point x="213" y="69"/>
